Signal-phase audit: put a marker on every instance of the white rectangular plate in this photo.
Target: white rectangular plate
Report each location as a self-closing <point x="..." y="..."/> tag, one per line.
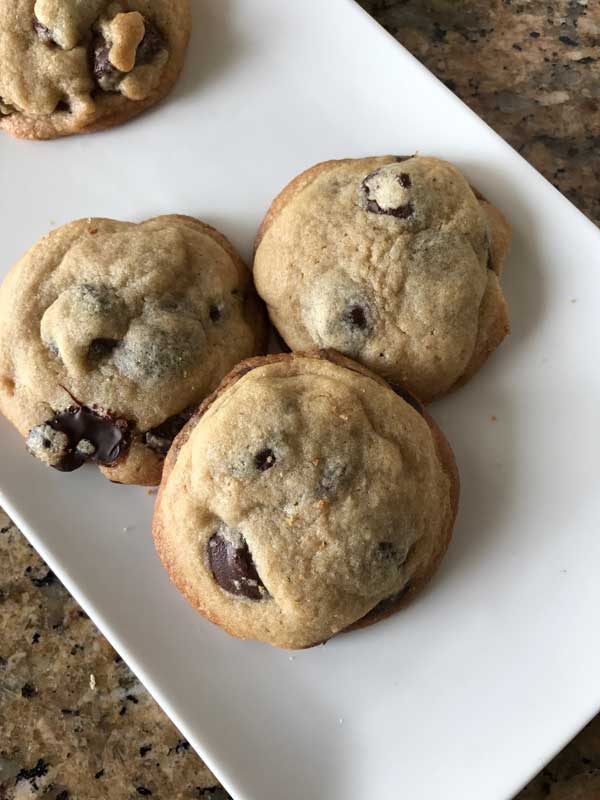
<point x="469" y="692"/>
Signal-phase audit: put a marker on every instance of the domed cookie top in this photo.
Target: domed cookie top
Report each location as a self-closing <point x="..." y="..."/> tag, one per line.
<point x="304" y="495"/>
<point x="68" y="66"/>
<point x="110" y="331"/>
<point x="394" y="262"/>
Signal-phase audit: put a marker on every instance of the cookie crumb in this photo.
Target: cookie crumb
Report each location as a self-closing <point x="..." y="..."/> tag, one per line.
<point x="493" y="418"/>
<point x="152" y="492"/>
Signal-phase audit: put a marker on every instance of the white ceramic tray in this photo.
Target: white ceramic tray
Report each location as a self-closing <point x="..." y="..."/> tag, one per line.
<point x="467" y="693"/>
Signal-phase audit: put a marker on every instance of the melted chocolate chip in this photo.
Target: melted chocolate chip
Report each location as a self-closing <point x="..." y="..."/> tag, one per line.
<point x="107" y="436"/>
<point x="356" y="317"/>
<point x="106" y="73"/>
<point x="233" y="568"/>
<point x="101" y="348"/>
<point x="161" y="438"/>
<point x="101" y="65"/>
<point x="369" y="194"/>
<point x="402" y="212"/>
<point x="408" y="398"/>
<point x="264" y="460"/>
<point x="151" y="44"/>
<point x="214" y="312"/>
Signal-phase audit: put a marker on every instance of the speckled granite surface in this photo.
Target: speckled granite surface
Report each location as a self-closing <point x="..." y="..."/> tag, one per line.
<point x="75" y="724"/>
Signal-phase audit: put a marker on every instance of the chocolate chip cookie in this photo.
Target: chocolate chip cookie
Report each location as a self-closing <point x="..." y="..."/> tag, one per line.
<point x="73" y="66"/>
<point x="303" y="498"/>
<point x="394" y="262"/>
<point x="111" y="332"/>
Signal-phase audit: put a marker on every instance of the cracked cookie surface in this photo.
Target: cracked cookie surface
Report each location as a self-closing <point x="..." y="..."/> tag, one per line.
<point x="68" y="66"/>
<point x="111" y="332"/>
<point x="394" y="262"/>
<point x="304" y="496"/>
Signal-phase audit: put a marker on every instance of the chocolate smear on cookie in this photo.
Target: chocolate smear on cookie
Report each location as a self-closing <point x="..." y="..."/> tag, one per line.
<point x="79" y="434"/>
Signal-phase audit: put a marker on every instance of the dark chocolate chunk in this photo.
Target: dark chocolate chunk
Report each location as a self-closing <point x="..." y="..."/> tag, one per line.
<point x="264" y="460"/>
<point x="233" y="568"/>
<point x="356" y="316"/>
<point x="161" y="438"/>
<point x="405" y="180"/>
<point x="106" y="434"/>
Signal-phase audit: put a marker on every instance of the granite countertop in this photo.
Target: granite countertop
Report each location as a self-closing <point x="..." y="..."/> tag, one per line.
<point x="74" y="722"/>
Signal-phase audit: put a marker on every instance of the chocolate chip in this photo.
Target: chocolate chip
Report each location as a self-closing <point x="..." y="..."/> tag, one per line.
<point x="101" y="348"/>
<point x="90" y="436"/>
<point x="101" y="65"/>
<point x="264" y="460"/>
<point x="379" y="193"/>
<point x="356" y="316"/>
<point x="214" y="312"/>
<point x="106" y="74"/>
<point x="233" y="568"/>
<point x="161" y="438"/>
<point x="151" y="44"/>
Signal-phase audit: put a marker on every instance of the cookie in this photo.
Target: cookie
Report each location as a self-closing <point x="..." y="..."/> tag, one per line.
<point x="68" y="66"/>
<point x="111" y="332"/>
<point x="394" y="262"/>
<point x="303" y="498"/>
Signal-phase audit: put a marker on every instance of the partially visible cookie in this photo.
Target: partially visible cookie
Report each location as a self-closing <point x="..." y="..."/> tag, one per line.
<point x="112" y="332"/>
<point x="393" y="261"/>
<point x="303" y="498"/>
<point x="76" y="66"/>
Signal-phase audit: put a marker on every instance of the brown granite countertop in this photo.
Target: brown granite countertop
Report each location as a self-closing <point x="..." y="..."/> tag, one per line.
<point x="75" y="724"/>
